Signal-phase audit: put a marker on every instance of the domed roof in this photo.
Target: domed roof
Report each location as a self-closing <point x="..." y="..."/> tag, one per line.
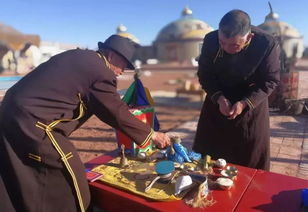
<point x="291" y="40"/>
<point x="122" y="31"/>
<point x="273" y="25"/>
<point x="280" y="29"/>
<point x="184" y="28"/>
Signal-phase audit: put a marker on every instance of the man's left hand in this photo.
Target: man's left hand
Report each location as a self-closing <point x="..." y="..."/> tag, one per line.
<point x="237" y="109"/>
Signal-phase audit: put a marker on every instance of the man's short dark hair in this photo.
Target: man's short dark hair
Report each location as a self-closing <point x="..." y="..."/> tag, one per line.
<point x="235" y="22"/>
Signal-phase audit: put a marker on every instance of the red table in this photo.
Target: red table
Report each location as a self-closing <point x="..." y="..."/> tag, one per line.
<point x="112" y="199"/>
<point x="272" y="192"/>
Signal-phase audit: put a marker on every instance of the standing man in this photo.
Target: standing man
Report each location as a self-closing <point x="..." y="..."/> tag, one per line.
<point x="238" y="68"/>
<point x="40" y="170"/>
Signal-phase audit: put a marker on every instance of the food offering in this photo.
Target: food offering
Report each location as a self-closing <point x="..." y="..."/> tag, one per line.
<point x="169" y="174"/>
<point x="220" y="163"/>
<point x="224" y="183"/>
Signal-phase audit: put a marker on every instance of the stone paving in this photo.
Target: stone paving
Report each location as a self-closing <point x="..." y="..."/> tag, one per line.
<point x="289" y="145"/>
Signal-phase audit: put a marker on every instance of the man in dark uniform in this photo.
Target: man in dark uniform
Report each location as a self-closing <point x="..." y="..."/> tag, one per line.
<point x="40" y="170"/>
<point x="238" y="68"/>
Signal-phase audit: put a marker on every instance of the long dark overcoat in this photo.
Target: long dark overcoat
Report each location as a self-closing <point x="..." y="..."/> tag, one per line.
<point x="40" y="169"/>
<point x="250" y="75"/>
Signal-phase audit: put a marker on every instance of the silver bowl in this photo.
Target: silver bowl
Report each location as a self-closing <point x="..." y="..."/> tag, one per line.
<point x="230" y="172"/>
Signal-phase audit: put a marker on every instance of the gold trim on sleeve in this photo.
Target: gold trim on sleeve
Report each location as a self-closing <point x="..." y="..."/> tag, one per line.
<point x="148" y="138"/>
<point x="249" y="102"/>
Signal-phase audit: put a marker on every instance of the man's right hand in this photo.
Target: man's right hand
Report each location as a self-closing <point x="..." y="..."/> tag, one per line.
<point x="224" y="105"/>
<point x="161" y="140"/>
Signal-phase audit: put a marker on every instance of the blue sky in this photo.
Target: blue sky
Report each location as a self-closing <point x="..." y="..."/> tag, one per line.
<point x="85" y="22"/>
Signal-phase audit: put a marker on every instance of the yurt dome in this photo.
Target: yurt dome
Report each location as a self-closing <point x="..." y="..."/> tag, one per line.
<point x="122" y="31"/>
<point x="187" y="27"/>
<point x="291" y="40"/>
<point x="181" y="39"/>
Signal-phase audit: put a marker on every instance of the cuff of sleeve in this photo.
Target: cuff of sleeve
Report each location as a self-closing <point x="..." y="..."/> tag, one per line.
<point x="215" y="96"/>
<point x="147" y="140"/>
<point x="249" y="103"/>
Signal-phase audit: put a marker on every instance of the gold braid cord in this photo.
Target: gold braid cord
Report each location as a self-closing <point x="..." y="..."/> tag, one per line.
<point x="64" y="157"/>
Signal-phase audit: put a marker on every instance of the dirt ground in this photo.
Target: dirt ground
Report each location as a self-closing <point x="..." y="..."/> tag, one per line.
<point x="95" y="137"/>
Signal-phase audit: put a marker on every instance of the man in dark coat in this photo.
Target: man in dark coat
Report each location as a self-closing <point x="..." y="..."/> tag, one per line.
<point x="40" y="170"/>
<point x="238" y="68"/>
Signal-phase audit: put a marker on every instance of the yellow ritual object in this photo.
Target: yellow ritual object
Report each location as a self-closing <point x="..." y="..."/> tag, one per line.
<point x="136" y="177"/>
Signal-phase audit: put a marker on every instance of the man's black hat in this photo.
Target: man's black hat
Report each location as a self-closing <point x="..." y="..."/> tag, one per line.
<point x="121" y="45"/>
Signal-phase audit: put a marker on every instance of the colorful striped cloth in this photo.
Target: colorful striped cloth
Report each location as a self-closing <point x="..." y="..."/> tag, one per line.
<point x="138" y="95"/>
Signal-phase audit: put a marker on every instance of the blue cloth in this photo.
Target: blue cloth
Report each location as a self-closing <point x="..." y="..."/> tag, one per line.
<point x="194" y="155"/>
<point x="176" y="158"/>
<point x="182" y="154"/>
<point x="141" y="99"/>
<point x="181" y="150"/>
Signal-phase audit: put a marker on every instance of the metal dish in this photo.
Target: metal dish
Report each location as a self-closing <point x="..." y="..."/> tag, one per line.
<point x="230" y="172"/>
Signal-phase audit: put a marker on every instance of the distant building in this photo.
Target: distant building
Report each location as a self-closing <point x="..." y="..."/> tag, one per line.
<point x="305" y="54"/>
<point x="178" y="42"/>
<point x="181" y="40"/>
<point x="18" y="47"/>
<point x="49" y="49"/>
<point x="16" y="40"/>
<point x="122" y="31"/>
<point x="20" y="53"/>
<point x="291" y="40"/>
<point x="7" y="60"/>
<point x="29" y="57"/>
